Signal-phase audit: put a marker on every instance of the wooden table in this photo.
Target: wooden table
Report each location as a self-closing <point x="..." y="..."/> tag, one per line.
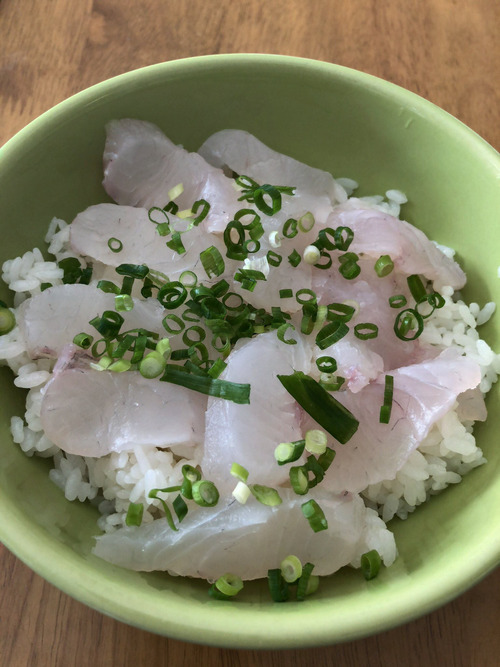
<point x="445" y="50"/>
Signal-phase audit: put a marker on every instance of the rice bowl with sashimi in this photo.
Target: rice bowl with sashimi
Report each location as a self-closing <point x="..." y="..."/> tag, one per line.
<point x="233" y="304"/>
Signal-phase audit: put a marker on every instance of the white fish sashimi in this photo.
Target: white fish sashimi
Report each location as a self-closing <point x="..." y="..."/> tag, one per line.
<point x="245" y="154"/>
<point x="377" y="233"/>
<point x="246" y="540"/>
<point x="93" y="413"/>
<point x="141" y="165"/>
<point x="249" y="434"/>
<point x="142" y="244"/>
<point x="423" y="393"/>
<point x="51" y="319"/>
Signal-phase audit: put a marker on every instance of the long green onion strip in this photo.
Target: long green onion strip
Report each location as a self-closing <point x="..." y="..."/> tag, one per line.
<point x="266" y="495"/>
<point x="416" y="287"/>
<point x="291" y="569"/>
<point x="308" y="582"/>
<point x="168" y="514"/>
<point x="315" y="515"/>
<point x="370" y="564"/>
<point x="337" y="420"/>
<point x="83" y="340"/>
<point x="127" y="285"/>
<point x="343" y="237"/>
<point x="397" y="301"/>
<point x="383" y="266"/>
<point x="366" y="330"/>
<point x="326" y="364"/>
<point x="114" y="244"/>
<point x="288" y="452"/>
<point x="135" y="513"/>
<point x="385" y="410"/>
<point x="331" y="333"/>
<point x="278" y="587"/>
<point x="232" y="391"/>
<point x="409" y="324"/>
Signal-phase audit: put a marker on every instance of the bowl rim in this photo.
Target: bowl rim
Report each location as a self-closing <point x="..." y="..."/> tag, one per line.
<point x="61" y="572"/>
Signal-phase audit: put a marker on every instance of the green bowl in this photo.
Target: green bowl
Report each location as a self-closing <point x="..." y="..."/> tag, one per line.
<point x="346" y="122"/>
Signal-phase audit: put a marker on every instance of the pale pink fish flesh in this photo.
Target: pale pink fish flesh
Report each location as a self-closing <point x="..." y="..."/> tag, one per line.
<point x="92" y="413"/>
<point x="141" y="165"/>
<point x="423" y="393"/>
<point x="247" y="540"/>
<point x="51" y="319"/>
<point x="249" y="434"/>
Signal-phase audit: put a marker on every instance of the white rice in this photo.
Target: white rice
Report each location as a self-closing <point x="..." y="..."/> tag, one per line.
<point x="115" y="480"/>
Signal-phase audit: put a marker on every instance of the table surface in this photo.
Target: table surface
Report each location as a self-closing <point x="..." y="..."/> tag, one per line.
<point x="445" y="50"/>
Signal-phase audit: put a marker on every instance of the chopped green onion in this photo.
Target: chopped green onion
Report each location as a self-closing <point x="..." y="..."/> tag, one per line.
<point x="163" y="225"/>
<point x="274" y="239"/>
<point x="204" y="212"/>
<point x="433" y="300"/>
<point x="273" y="258"/>
<point x="331" y="382"/>
<point x="229" y="585"/>
<point x="306" y="222"/>
<point x="311" y="254"/>
<point x="316" y="441"/>
<point x="168" y="514"/>
<point x="262" y="195"/>
<point x="370" y="564"/>
<point x="383" y="266"/>
<point x="290" y="228"/>
<point x="83" y="340"/>
<point x="286" y="293"/>
<point x="239" y="472"/>
<point x="325" y="460"/>
<point x="416" y="287"/>
<point x="294" y="258"/>
<point x="176" y="191"/>
<point x="120" y="366"/>
<point x="235" y="249"/>
<point x="385" y="410"/>
<point x="281" y="331"/>
<point x="327" y="264"/>
<point x="231" y="391"/>
<point x="266" y="495"/>
<point x="163" y="347"/>
<point x="323" y="243"/>
<point x="153" y="365"/>
<point x="216" y="368"/>
<point x="115" y="245"/>
<point x="180" y="507"/>
<point x="123" y="302"/>
<point x="205" y="493"/>
<point x="299" y="479"/>
<point x="109" y="324"/>
<point x="308" y="583"/>
<point x="366" y="330"/>
<point x="340" y="311"/>
<point x="193" y="335"/>
<point x="278" y="587"/>
<point x="349" y="268"/>
<point x="108" y="287"/>
<point x="343" y="238"/>
<point x="397" y="301"/>
<point x="212" y="261"/>
<point x="172" y="317"/>
<point x="331" y="333"/>
<point x="337" y="420"/>
<point x="326" y="364"/>
<point x="317" y="470"/>
<point x="188" y="279"/>
<point x="315" y="515"/>
<point x="190" y="475"/>
<point x="134" y="270"/>
<point x="408" y="321"/>
<point x="291" y="569"/>
<point x="305" y="292"/>
<point x="241" y="492"/>
<point x="185" y="213"/>
<point x="176" y="243"/>
<point x="287" y="452"/>
<point x="135" y="512"/>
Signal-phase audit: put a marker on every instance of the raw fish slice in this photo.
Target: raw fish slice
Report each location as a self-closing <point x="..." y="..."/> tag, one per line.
<point x="423" y="393"/>
<point x="377" y="233"/>
<point x="245" y="154"/>
<point x="246" y="540"/>
<point x="92" y="413"/>
<point x="249" y="434"/>
<point x="54" y="317"/>
<point x="141" y="165"/>
<point x="371" y="294"/>
<point x="141" y="242"/>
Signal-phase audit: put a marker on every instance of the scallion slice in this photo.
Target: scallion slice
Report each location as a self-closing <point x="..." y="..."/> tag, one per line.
<point x="416" y="287"/>
<point x="370" y="564"/>
<point x="409" y="324"/>
<point x="299" y="479"/>
<point x="331" y="333"/>
<point x="281" y="331"/>
<point x="115" y="245"/>
<point x="366" y="330"/>
<point x="286" y="293"/>
<point x="135" y="512"/>
<point x="212" y="261"/>
<point x="83" y="340"/>
<point x="205" y="493"/>
<point x="383" y="266"/>
<point x="343" y="238"/>
<point x="325" y="460"/>
<point x="203" y="213"/>
<point x="287" y="452"/>
<point x="304" y="587"/>
<point x="385" y="410"/>
<point x="266" y="495"/>
<point x="153" y="365"/>
<point x="315" y="515"/>
<point x="123" y="302"/>
<point x="241" y="492"/>
<point x="397" y="301"/>
<point x="239" y="472"/>
<point x="229" y="584"/>
<point x="316" y="441"/>
<point x="278" y="587"/>
<point x="337" y="420"/>
<point x="294" y="258"/>
<point x="290" y="229"/>
<point x="139" y="271"/>
<point x="311" y="255"/>
<point x="291" y="568"/>
<point x="168" y="514"/>
<point x="326" y="364"/>
<point x="108" y="287"/>
<point x="306" y="222"/>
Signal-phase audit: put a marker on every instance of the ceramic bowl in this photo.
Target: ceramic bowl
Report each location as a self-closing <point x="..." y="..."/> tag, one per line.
<point x="341" y="120"/>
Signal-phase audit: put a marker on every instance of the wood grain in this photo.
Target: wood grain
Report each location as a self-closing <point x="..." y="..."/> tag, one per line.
<point x="445" y="50"/>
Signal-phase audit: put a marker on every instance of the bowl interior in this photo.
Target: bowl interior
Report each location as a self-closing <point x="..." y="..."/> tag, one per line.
<point x="352" y="125"/>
